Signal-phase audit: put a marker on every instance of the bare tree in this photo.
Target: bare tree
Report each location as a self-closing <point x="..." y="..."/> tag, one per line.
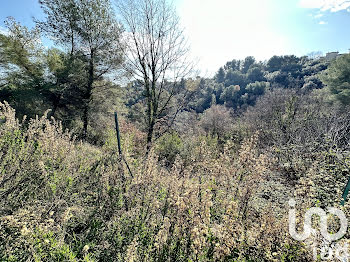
<point x="217" y="120"/>
<point x="157" y="55"/>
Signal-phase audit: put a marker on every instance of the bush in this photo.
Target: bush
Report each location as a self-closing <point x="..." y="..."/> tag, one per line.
<point x="169" y="147"/>
<point x="217" y="121"/>
<point x="64" y="200"/>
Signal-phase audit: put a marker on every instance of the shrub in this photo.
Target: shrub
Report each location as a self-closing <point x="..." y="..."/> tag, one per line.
<point x="64" y="200"/>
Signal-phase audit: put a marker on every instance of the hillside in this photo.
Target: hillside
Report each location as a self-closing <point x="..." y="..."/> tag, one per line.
<point x="208" y="165"/>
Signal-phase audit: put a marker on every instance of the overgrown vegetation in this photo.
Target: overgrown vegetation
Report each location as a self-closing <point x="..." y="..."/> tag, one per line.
<point x="213" y="161"/>
<point x="68" y="201"/>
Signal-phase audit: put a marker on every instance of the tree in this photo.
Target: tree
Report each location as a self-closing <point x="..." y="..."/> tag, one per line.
<point x="274" y="63"/>
<point x="247" y="63"/>
<point x="255" y="74"/>
<point x="337" y="79"/>
<point x="220" y="76"/>
<point x="217" y="120"/>
<point x="22" y="68"/>
<point x="157" y="56"/>
<point x="89" y="30"/>
<point x="254" y="90"/>
<point x="67" y="73"/>
<point x="22" y="47"/>
<point x="234" y="65"/>
<point x="235" y="78"/>
<point x="231" y="96"/>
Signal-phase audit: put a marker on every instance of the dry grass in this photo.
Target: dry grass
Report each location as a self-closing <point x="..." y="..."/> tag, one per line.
<point x="63" y="200"/>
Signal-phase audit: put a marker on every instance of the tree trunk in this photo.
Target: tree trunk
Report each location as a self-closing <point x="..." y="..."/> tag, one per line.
<point x="150" y="135"/>
<point x="55" y="103"/>
<point x="85" y="119"/>
<point x="152" y="112"/>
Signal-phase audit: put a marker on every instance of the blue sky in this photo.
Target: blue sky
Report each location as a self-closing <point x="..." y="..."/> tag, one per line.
<point x="221" y="30"/>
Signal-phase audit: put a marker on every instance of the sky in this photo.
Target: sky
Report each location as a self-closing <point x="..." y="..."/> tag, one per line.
<point x="221" y="30"/>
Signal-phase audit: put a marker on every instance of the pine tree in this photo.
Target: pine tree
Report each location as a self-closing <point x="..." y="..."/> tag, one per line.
<point x="337" y="79"/>
<point x="220" y="76"/>
<point x="89" y="30"/>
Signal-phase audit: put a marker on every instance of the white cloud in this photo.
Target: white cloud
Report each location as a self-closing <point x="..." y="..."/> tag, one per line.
<point x="318" y="16"/>
<point x="323" y="23"/>
<point x="326" y="5"/>
<point x="311" y="3"/>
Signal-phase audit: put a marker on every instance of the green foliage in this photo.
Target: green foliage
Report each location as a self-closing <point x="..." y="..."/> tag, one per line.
<point x="220" y="76"/>
<point x="231" y="95"/>
<point x="70" y="79"/>
<point x="247" y="63"/>
<point x="257" y="88"/>
<point x="23" y="64"/>
<point x="337" y="79"/>
<point x="48" y="248"/>
<point x="212" y="189"/>
<point x="235" y="78"/>
<point x="90" y="31"/>
<point x="255" y="73"/>
<point x="169" y="147"/>
<point x="235" y="84"/>
<point x="254" y="90"/>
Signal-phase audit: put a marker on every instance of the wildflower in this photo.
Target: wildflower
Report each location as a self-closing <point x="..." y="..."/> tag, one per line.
<point x="86" y="248"/>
